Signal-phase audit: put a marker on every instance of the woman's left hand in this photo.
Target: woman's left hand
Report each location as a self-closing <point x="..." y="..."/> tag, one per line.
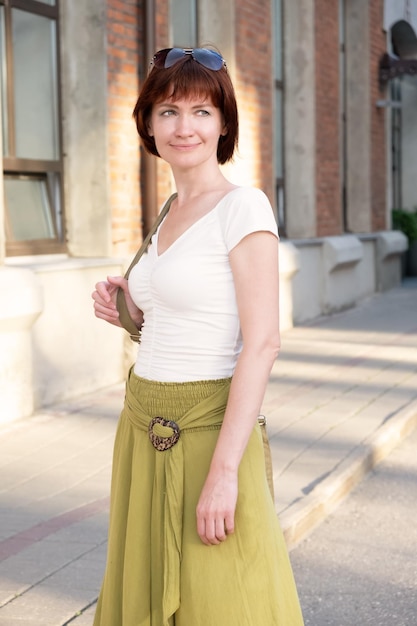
<point x="216" y="507"/>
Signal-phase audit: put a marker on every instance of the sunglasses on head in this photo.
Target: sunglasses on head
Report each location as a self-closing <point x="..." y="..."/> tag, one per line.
<point x="169" y="56"/>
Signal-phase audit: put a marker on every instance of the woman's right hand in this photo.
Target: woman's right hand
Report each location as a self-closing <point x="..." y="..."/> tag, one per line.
<point x="104" y="297"/>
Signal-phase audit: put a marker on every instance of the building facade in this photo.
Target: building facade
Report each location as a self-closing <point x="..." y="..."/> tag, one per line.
<point x="78" y="192"/>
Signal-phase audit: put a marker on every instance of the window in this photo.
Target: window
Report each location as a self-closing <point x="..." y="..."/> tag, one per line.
<point x="279" y="102"/>
<point x="32" y="163"/>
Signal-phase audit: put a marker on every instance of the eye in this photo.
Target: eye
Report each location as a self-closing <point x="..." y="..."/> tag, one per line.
<point x="167" y="112"/>
<point x="202" y="112"/>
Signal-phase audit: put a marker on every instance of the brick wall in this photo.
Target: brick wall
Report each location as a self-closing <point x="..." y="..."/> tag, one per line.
<point x="328" y="180"/>
<point x="124" y="54"/>
<point x="253" y="85"/>
<point x="254" y="89"/>
<point x="378" y="134"/>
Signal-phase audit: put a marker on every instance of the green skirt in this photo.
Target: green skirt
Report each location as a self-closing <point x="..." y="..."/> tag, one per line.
<point x="159" y="573"/>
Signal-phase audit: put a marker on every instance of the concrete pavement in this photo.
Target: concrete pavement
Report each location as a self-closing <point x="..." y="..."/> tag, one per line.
<point x="359" y="567"/>
<point x="342" y="394"/>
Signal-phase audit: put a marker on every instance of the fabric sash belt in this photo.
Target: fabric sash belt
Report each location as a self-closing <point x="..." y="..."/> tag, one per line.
<point x="206" y="415"/>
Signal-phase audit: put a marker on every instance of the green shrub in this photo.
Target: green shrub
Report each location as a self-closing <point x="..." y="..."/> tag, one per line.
<point x="406" y="221"/>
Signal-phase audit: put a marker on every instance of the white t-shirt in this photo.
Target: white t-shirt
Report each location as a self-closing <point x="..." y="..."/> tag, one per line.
<point x="191" y="327"/>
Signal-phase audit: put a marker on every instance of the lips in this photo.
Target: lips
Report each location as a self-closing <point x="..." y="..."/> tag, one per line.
<point x="182" y="146"/>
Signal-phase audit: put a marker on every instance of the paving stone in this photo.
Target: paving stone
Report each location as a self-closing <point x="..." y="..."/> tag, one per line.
<point x="337" y="382"/>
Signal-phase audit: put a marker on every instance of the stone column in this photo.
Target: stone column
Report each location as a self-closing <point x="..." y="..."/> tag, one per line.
<point x="299" y="118"/>
<point x="409" y="143"/>
<point x="358" y="117"/>
<point x="84" y="113"/>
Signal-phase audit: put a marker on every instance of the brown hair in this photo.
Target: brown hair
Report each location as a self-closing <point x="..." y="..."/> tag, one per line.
<point x="185" y="79"/>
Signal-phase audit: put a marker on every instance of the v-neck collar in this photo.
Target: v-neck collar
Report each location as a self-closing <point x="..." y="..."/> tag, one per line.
<point x="190" y="228"/>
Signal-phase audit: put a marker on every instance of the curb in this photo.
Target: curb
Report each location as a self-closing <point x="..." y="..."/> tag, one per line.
<point x="304" y="515"/>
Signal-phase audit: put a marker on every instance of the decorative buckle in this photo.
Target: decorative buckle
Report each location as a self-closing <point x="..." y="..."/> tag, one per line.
<point x="261" y="420"/>
<point x="163" y="443"/>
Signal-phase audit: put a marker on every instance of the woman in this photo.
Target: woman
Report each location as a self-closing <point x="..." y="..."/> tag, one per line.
<point x="193" y="537"/>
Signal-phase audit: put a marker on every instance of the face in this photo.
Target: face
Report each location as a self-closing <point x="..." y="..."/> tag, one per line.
<point x="186" y="131"/>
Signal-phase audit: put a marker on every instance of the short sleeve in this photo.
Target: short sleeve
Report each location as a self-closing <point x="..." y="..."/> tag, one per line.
<point x="246" y="210"/>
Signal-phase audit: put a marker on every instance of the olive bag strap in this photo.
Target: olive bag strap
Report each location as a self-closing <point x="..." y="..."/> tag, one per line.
<point x="124" y="315"/>
<point x="267" y="453"/>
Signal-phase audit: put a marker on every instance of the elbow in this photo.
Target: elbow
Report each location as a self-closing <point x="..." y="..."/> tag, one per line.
<point x="268" y="348"/>
<point x="275" y="346"/>
<point x="269" y="354"/>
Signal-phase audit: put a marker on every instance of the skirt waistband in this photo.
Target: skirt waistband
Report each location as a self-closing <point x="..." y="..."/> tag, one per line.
<point x="172" y="399"/>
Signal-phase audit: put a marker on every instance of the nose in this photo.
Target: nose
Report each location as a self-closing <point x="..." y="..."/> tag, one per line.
<point x="184" y="126"/>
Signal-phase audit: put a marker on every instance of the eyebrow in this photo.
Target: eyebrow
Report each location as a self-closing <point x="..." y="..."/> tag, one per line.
<point x="172" y="105"/>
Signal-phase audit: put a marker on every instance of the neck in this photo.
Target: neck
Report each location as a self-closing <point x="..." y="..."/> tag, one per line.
<point x="190" y="183"/>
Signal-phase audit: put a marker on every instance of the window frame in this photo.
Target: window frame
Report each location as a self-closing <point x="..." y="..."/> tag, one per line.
<point x="17" y="166"/>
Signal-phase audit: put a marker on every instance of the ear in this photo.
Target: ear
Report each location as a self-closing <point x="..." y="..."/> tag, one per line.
<point x="224" y="131"/>
<point x="149" y="128"/>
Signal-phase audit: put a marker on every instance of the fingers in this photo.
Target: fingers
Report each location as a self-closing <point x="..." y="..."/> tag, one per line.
<point x="104" y="297"/>
<point x="118" y="281"/>
<point x="106" y="289"/>
<point x="229" y="524"/>
<point x="216" y="507"/>
<point x="215" y="530"/>
<point x="104" y="302"/>
<point x="212" y="533"/>
<point x="102" y="292"/>
<point x="106" y="312"/>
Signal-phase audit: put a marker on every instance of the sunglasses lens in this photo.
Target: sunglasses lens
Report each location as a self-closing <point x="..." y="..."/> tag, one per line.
<point x="158" y="59"/>
<point x="174" y="55"/>
<point x="169" y="56"/>
<point x="209" y="58"/>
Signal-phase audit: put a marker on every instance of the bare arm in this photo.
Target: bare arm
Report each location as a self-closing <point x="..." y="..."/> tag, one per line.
<point x="104" y="297"/>
<point x="254" y="264"/>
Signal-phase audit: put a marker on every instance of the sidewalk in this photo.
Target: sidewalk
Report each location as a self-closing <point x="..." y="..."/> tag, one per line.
<point x="342" y="394"/>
